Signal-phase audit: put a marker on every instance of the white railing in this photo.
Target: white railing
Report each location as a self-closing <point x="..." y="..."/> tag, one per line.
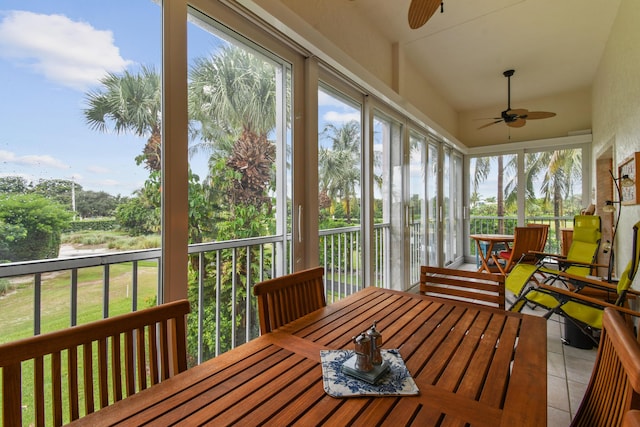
<point x="506" y="225"/>
<point x="222" y="274"/>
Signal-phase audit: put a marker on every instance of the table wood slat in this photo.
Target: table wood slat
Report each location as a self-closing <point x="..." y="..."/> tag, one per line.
<point x="249" y="395"/>
<point x="298" y="408"/>
<point x="213" y="394"/>
<point x="473" y="365"/>
<point x="497" y="379"/>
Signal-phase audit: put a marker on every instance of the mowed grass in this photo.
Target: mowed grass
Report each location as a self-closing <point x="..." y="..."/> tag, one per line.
<point x="17" y="308"/>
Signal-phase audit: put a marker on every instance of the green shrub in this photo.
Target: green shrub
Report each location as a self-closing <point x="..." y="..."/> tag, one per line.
<point x="30" y="227"/>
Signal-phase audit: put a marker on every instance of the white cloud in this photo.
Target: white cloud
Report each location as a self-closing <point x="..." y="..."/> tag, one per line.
<point x="97" y="169"/>
<point x="32" y="160"/>
<point x="327" y="100"/>
<point x="70" y="53"/>
<point x="334" y="116"/>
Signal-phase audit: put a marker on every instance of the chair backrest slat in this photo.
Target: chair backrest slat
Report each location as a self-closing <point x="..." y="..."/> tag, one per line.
<point x="284" y="299"/>
<point x="461" y="285"/>
<point x="525" y="240"/>
<point x="87" y="360"/>
<point x="615" y="381"/>
<point x="124" y="347"/>
<point x="543" y="236"/>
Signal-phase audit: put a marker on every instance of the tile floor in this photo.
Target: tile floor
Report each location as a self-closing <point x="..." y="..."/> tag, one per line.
<point x="568" y="372"/>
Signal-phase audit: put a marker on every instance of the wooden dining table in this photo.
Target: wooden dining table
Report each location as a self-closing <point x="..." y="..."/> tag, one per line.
<point x="490" y="241"/>
<point x="472" y="365"/>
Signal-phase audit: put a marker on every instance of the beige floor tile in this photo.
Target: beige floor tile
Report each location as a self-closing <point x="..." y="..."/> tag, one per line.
<point x="578" y="369"/>
<point x="558" y="418"/>
<point x="578" y="353"/>
<point x="576" y="392"/>
<point x="557" y="393"/>
<point x="555" y="365"/>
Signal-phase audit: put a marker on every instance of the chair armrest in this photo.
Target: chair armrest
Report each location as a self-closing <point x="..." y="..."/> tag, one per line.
<point x="567" y="262"/>
<point x="547" y="255"/>
<point x="577" y="296"/>
<point x="585" y="264"/>
<point x="588" y="281"/>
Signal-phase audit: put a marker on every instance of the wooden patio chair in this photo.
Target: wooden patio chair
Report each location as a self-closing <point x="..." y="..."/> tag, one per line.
<point x="614" y="386"/>
<point x="543" y="236"/>
<point x="85" y="368"/>
<point x="284" y="299"/>
<point x="526" y="240"/>
<point x="461" y="285"/>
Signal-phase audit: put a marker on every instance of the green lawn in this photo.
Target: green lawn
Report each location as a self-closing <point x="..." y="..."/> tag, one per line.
<point x="16" y="308"/>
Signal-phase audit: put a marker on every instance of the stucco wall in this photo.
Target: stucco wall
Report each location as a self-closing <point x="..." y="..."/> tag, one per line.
<point x="336" y="29"/>
<point x="616" y="109"/>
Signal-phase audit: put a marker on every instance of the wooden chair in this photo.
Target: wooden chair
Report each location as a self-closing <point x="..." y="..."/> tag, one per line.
<point x="284" y="299"/>
<point x="614" y="386"/>
<point x="84" y="368"/>
<point x="526" y="240"/>
<point x="461" y="285"/>
<point x="543" y="236"/>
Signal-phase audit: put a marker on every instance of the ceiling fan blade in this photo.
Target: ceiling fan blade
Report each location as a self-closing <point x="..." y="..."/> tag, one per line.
<point x="533" y="115"/>
<point x="489" y="124"/>
<point x="488" y="118"/>
<point x="420" y="11"/>
<point x="517" y="123"/>
<point x="518" y="112"/>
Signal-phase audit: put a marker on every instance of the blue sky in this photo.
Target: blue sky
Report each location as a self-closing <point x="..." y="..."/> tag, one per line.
<point x="51" y="54"/>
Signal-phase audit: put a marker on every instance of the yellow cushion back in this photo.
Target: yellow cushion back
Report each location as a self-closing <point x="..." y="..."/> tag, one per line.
<point x="518" y="277"/>
<point x="584" y="313"/>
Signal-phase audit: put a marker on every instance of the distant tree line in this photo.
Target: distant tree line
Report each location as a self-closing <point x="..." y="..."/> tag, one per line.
<point x="34" y="215"/>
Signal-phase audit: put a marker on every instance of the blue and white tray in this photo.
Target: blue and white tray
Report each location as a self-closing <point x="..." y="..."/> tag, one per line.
<point x="398" y="382"/>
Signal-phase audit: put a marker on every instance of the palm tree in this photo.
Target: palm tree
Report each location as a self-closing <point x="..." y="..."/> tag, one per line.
<point x="564" y="168"/>
<point x="232" y="95"/>
<point x="340" y="165"/>
<point x="129" y="103"/>
<point x="483" y="168"/>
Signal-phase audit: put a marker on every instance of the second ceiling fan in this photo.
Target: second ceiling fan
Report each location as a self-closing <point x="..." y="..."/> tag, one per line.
<point x="421" y="10"/>
<point x="518" y="117"/>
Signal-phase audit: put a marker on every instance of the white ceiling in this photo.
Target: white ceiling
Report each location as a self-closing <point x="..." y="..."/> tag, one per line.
<point x="553" y="45"/>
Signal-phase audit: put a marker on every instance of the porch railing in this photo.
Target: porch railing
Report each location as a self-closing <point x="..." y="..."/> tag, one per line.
<point x="223" y="313"/>
<point x="506" y="225"/>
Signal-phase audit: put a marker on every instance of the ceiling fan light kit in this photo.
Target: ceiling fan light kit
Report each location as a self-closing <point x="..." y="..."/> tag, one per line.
<point x="516" y="117"/>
